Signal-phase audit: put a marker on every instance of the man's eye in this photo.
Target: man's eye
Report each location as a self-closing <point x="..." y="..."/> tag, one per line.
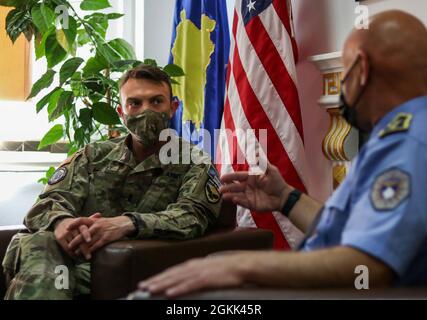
<point x="134" y="103"/>
<point x="157" y="101"/>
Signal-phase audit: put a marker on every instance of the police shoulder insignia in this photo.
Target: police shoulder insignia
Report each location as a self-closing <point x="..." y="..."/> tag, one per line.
<point x="390" y="189"/>
<point x="212" y="192"/>
<point x="400" y="123"/>
<point x="58" y="176"/>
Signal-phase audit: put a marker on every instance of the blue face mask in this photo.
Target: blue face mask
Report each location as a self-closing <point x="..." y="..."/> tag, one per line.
<point x="349" y="112"/>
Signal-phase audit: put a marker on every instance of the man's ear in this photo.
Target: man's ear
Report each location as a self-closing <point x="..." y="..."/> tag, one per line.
<point x="120" y="111"/>
<point x="174" y="106"/>
<point x="365" y="68"/>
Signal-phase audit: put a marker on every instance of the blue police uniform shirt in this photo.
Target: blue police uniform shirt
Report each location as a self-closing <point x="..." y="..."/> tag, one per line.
<point x="381" y="206"/>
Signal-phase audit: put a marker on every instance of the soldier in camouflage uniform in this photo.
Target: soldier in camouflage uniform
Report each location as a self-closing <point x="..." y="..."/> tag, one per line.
<point x="113" y="190"/>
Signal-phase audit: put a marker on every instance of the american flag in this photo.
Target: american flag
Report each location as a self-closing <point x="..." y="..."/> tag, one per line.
<point x="262" y="94"/>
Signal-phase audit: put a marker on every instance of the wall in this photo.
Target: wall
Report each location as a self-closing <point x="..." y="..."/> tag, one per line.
<point x="321" y="26"/>
<point x="415" y="7"/>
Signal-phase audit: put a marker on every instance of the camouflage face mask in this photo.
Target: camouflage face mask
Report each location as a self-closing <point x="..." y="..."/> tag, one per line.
<point x="147" y="126"/>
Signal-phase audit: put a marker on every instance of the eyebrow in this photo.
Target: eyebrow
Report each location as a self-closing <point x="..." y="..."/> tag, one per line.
<point x="135" y="99"/>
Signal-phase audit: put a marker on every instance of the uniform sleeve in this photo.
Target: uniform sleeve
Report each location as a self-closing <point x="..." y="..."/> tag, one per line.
<point x="63" y="196"/>
<point x="197" y="206"/>
<point x="388" y="207"/>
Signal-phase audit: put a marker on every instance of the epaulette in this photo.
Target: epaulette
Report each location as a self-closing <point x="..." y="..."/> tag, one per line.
<point x="401" y="123"/>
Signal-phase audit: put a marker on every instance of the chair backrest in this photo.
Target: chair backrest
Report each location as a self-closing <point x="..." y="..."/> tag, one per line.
<point x="227" y="216"/>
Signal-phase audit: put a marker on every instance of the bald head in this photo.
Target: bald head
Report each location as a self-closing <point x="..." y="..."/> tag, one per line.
<point x="393" y="55"/>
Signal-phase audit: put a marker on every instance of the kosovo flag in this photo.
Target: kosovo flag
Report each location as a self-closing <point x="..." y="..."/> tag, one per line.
<point x="200" y="46"/>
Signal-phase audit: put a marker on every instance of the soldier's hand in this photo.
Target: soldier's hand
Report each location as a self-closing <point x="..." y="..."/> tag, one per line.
<point x="107" y="230"/>
<point x="266" y="192"/>
<point x="81" y="237"/>
<point x="64" y="236"/>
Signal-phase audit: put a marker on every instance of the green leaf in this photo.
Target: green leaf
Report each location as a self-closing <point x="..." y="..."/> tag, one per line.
<point x="79" y="136"/>
<point x="64" y="103"/>
<point x="94" y="5"/>
<point x="73" y="149"/>
<point x="124" y="50"/>
<point x="113" y="16"/>
<point x="52" y="136"/>
<point x="94" y="65"/>
<point x="85" y="117"/>
<point x="54" y="100"/>
<point x="82" y="38"/>
<point x="150" y="62"/>
<point x="38" y="19"/>
<point x="48" y="174"/>
<point x="174" y="71"/>
<point x="71" y="32"/>
<point x="17" y="22"/>
<point x="126" y="63"/>
<point x="11" y="3"/>
<point x="45" y="100"/>
<point x="40" y="43"/>
<point x="96" y="85"/>
<point x="48" y="16"/>
<point x="68" y="69"/>
<point x="44" y="82"/>
<point x="54" y="52"/>
<point x="98" y="22"/>
<point x="103" y="113"/>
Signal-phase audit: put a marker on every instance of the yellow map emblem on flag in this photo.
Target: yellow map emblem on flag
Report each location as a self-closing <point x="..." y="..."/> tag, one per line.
<point x="192" y="51"/>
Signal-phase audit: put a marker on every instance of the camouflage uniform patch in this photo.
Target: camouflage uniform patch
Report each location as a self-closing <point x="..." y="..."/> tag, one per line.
<point x="58" y="176"/>
<point x="212" y="192"/>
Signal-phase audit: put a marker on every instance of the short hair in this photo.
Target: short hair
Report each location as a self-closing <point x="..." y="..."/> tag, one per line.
<point x="147" y="72"/>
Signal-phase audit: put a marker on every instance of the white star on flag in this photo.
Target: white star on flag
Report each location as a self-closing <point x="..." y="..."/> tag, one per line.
<point x="251" y="5"/>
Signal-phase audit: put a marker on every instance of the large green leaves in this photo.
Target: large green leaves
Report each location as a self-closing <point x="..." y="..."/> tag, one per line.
<point x="174" y="71"/>
<point x="70" y="33"/>
<point x="44" y="82"/>
<point x="68" y="69"/>
<point x="103" y="113"/>
<point x="52" y="136"/>
<point x="17" y="22"/>
<point x="54" y="51"/>
<point x="123" y="49"/>
<point x="64" y="103"/>
<point x="46" y="99"/>
<point x="43" y="17"/>
<point x="94" y="5"/>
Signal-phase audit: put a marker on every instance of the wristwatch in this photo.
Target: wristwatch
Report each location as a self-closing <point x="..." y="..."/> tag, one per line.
<point x="293" y="198"/>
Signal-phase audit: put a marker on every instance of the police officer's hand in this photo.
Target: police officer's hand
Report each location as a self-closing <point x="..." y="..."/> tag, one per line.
<point x="202" y="273"/>
<point x="266" y="192"/>
<point x="102" y="231"/>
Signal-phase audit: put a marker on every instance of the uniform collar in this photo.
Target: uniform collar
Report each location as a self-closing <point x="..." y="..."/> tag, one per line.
<point x="122" y="153"/>
<point x="411" y="106"/>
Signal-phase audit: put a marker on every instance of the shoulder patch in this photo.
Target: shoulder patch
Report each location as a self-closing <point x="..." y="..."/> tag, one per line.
<point x="213" y="176"/>
<point x="58" y="176"/>
<point x="390" y="189"/>
<point x="212" y="192"/>
<point x="401" y="123"/>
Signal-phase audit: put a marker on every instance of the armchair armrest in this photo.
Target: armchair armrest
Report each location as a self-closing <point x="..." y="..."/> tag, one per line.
<point x="118" y="267"/>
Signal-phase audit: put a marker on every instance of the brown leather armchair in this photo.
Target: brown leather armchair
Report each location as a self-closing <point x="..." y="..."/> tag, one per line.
<point x="117" y="268"/>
